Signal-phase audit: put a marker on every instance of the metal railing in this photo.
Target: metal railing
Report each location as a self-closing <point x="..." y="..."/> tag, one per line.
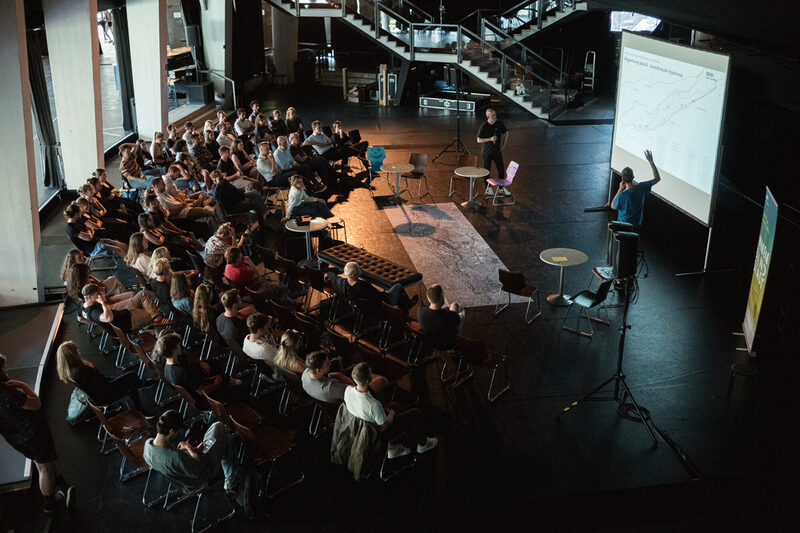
<point x="525" y="53"/>
<point x="414" y="9"/>
<point x="224" y="77"/>
<point x="532" y="12"/>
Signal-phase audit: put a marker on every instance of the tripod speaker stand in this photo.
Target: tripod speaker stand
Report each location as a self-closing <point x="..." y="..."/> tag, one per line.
<point x="619" y="377"/>
<point x="454" y="76"/>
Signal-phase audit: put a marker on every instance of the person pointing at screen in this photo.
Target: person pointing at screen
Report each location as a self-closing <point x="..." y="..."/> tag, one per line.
<point x="629" y="200"/>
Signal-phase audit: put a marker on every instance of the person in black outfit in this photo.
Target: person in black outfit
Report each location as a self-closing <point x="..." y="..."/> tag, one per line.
<point x="358" y="289"/>
<point x="25" y="429"/>
<point x="441" y="324"/>
<point x="100" y="389"/>
<point x="196" y="376"/>
<point x="232" y="199"/>
<point x="491" y="136"/>
<point x="229" y="325"/>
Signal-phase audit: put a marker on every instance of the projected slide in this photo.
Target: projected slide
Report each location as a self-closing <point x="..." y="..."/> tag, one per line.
<point x="670" y="100"/>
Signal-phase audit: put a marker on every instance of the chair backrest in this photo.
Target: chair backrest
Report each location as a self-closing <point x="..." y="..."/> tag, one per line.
<point x="396" y="318"/>
<point x="306" y="135"/>
<point x="512" y="282"/>
<point x="285" y="315"/>
<point x="291" y="379"/>
<point x="197" y="262"/>
<point x="136" y="459"/>
<point x="123" y="339"/>
<point x="355" y="136"/>
<point x="185" y="395"/>
<point x="473" y="351"/>
<point x="369" y="308"/>
<point x="602" y="293"/>
<point x="419" y="161"/>
<point x="326" y="130"/>
<point x="219" y="410"/>
<point x="143" y="281"/>
<point x="312" y="332"/>
<point x="315" y="278"/>
<point x="511" y="171"/>
<point x="467" y="160"/>
<point x="99" y="413"/>
<point x="376" y="155"/>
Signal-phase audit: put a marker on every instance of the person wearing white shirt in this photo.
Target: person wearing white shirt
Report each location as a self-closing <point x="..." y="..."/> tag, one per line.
<point x="243" y="125"/>
<point x="269" y="169"/>
<point x="300" y="203"/>
<point x="360" y="403"/>
<point x="259" y="344"/>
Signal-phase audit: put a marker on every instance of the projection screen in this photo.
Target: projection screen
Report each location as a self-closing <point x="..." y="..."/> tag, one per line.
<point x="670" y="99"/>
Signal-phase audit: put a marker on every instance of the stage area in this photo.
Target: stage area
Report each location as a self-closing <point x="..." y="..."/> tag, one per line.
<point x="513" y="465"/>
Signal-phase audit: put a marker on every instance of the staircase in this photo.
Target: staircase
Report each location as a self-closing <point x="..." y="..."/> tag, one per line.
<point x="525" y="20"/>
<point x="529" y="81"/>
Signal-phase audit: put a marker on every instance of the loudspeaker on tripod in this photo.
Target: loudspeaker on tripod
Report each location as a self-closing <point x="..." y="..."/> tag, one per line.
<point x="627" y="248"/>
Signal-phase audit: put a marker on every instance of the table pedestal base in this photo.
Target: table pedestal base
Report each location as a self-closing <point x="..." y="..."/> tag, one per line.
<point x="397" y="200"/>
<point x="559" y="300"/>
<point x="472" y="204"/>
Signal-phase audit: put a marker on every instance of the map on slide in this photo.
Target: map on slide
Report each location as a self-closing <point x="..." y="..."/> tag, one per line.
<point x="672" y="108"/>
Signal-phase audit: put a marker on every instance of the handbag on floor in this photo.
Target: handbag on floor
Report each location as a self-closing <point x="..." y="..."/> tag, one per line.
<point x="78" y="409"/>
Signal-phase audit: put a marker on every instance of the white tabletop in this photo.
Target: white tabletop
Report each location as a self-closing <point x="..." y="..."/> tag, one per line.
<point x="471" y="172"/>
<point x="397" y="167"/>
<point x="565" y="257"/>
<point x="315" y="225"/>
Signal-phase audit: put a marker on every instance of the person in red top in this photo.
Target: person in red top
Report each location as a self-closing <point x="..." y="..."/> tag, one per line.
<point x="241" y="271"/>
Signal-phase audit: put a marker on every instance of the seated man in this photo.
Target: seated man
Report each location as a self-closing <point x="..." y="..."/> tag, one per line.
<point x="319" y="165"/>
<point x="629" y="200"/>
<point x="128" y="315"/>
<point x="255" y="110"/>
<point x="233" y="200"/>
<point x="175" y="235"/>
<point x="188" y="131"/>
<point x="341" y="139"/>
<point x="358" y="289"/>
<point x="244" y="127"/>
<point x="177" y="207"/>
<point x="230" y="324"/>
<point x="326" y="386"/>
<point x="197" y="148"/>
<point x="286" y="163"/>
<point x="360" y="403"/>
<point x="276" y="124"/>
<point x="227" y="167"/>
<point x="269" y="169"/>
<point x="115" y="229"/>
<point x="84" y="237"/>
<point x="324" y="145"/>
<point x="440" y="324"/>
<point x="260" y="344"/>
<point x="192" y="467"/>
<point x="225" y="137"/>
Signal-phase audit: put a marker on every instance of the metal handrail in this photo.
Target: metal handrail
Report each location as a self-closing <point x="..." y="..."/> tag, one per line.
<point x="525" y="50"/>
<point x="477" y="12"/>
<point x="414" y="7"/>
<point x="226" y="78"/>
<point x="517" y="7"/>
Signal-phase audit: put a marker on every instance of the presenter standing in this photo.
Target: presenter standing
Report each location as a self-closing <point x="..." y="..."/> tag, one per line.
<point x="629" y="200"/>
<point x="493" y="135"/>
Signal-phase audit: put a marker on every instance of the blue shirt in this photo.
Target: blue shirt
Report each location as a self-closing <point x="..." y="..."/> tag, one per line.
<point x="319" y="138"/>
<point x="283" y="158"/>
<point x="629" y="203"/>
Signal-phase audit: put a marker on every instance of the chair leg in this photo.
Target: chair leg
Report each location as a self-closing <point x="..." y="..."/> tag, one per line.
<point x="211" y="523"/>
<point x="160" y="500"/>
<point x="452" y="189"/>
<point x="409" y="464"/>
<point x="468" y="373"/>
<point x="127" y="476"/>
<point x="442" y="377"/>
<point x="538" y="309"/>
<point x="495" y="396"/>
<point x="274" y="493"/>
<point x="500" y="204"/>
<point x="497" y="308"/>
<point x="581" y="315"/>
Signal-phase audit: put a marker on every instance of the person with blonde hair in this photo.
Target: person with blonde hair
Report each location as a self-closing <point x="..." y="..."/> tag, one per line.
<point x="288" y="355"/>
<point x="294" y="124"/>
<point x="300" y="203"/>
<point x="201" y="308"/>
<point x="162" y="283"/>
<point x="101" y="390"/>
<point x="161" y="157"/>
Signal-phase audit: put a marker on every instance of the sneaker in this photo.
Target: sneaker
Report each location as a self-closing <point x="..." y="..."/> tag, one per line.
<point x="68" y="496"/>
<point x="429" y="445"/>
<point x="53" y="504"/>
<point x="162" y="321"/>
<point x="397" y="450"/>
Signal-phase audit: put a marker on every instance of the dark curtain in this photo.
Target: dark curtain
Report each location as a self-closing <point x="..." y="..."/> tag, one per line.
<point x="247" y="40"/>
<point x="119" y="26"/>
<point x="43" y="113"/>
<point x="191" y="17"/>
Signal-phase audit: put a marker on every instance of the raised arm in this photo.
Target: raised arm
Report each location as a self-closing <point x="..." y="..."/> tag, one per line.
<point x="649" y="156"/>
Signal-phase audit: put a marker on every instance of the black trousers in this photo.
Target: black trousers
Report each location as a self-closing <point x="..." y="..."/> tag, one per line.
<point x="497" y="158"/>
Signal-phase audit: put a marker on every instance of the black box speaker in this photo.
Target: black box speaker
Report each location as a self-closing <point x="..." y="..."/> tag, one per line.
<point x="611" y="245"/>
<point x="193" y="36"/>
<point x="627" y="249"/>
<point x="200" y="93"/>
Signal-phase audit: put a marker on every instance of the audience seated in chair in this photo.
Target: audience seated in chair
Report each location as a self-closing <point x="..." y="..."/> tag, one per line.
<point x="286" y="162"/>
<point x="101" y="390"/>
<point x="248" y="186"/>
<point x="362" y="404"/>
<point x="132" y="174"/>
<point x="288" y="355"/>
<point x="193" y="467"/>
<point x="160" y="231"/>
<point x="196" y="376"/>
<point x="441" y="324"/>
<point x="128" y="315"/>
<point x="241" y="271"/>
<point x="319" y="165"/>
<point x="294" y="124"/>
<point x="180" y="293"/>
<point x="85" y="238"/>
<point x="76" y="279"/>
<point x="231" y="323"/>
<point x="276" y="124"/>
<point x="326" y="386"/>
<point x="342" y="141"/>
<point x="233" y="200"/>
<point x="260" y="344"/>
<point x="300" y="203"/>
<point x="358" y="289"/>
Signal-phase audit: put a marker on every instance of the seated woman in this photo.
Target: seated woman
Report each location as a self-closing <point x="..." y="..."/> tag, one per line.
<point x="116" y="230"/>
<point x="243" y="162"/>
<point x="110" y="197"/>
<point x="204" y="309"/>
<point x="162" y="252"/>
<point x="181" y="293"/>
<point x="161" y="157"/>
<point x="294" y="124"/>
<point x="96" y="209"/>
<point x="155" y="238"/>
<point x="161" y="284"/>
<point x="260" y="344"/>
<point x="137" y="256"/>
<point x="300" y="203"/>
<point x="196" y="376"/>
<point x="288" y="355"/>
<point x="100" y="389"/>
<point x="215" y="249"/>
<point x="80" y="274"/>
